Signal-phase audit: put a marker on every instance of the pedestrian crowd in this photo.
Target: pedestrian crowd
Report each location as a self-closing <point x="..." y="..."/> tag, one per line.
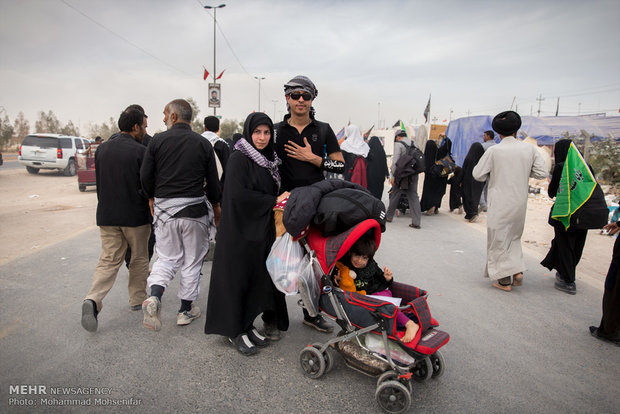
<point x="178" y="192"/>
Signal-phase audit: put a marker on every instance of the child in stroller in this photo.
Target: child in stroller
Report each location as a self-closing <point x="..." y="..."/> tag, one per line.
<point x="358" y="272"/>
<point x="369" y="340"/>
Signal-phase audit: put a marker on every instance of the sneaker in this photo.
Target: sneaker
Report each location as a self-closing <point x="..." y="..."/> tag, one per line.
<point x="135" y="307"/>
<point x="318" y="323"/>
<point x="186" y="317"/>
<point x="151" y="308"/>
<point x="258" y="339"/>
<point x="474" y="219"/>
<point x="566" y="287"/>
<point x="89" y="315"/>
<point x="271" y="331"/>
<point x="243" y="344"/>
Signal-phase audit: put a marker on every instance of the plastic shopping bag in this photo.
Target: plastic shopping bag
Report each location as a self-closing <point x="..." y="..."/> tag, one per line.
<point x="283" y="263"/>
<point x="309" y="287"/>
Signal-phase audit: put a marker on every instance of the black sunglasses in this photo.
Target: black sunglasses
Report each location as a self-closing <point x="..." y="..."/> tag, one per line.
<point x="296" y="95"/>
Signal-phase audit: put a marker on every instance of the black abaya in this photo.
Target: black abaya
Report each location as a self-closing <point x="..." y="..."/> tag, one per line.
<point x="434" y="187"/>
<point x="456" y="192"/>
<point x="241" y="287"/>
<point x="377" y="170"/>
<point x="567" y="244"/>
<point x="472" y="189"/>
<point x="610" y="322"/>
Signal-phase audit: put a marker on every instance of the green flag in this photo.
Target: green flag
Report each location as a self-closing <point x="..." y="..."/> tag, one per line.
<point x="576" y="186"/>
<point x="402" y="126"/>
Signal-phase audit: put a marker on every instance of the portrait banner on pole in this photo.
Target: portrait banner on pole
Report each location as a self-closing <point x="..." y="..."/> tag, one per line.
<point x="214" y="95"/>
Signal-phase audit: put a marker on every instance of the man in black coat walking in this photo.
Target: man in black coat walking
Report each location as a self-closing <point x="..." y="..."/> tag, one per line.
<point x="122" y="216"/>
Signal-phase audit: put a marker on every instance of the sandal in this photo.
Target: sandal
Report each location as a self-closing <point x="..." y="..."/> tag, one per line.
<point x="517" y="279"/>
<point x="505" y="288"/>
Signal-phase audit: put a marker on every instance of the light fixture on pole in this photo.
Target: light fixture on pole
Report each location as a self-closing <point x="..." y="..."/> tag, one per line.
<point x="214" y="26"/>
<point x="259" y="79"/>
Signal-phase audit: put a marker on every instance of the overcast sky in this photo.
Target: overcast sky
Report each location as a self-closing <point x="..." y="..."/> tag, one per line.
<point x="372" y="61"/>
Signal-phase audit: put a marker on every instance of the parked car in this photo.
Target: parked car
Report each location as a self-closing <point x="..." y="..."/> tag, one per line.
<point x="51" y="152"/>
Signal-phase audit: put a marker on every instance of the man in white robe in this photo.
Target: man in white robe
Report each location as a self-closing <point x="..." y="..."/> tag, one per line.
<point x="507" y="168"/>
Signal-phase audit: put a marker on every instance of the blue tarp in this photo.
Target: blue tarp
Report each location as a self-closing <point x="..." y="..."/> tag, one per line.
<point x="546" y="130"/>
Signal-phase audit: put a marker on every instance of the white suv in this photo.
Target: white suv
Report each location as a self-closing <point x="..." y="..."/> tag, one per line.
<point x="50" y="151"/>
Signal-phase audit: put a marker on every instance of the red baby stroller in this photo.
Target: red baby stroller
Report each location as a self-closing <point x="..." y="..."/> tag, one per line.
<point x="369" y="340"/>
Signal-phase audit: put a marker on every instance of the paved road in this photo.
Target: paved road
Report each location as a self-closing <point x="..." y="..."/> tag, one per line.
<point x="11" y="164"/>
<point x="528" y="351"/>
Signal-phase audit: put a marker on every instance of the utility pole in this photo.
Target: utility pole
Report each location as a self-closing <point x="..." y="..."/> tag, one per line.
<point x="214" y="44"/>
<point x="259" y="78"/>
<point x="275" y="101"/>
<point x="539" y="99"/>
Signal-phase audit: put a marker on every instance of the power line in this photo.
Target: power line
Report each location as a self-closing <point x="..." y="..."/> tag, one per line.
<point x="123" y="38"/>
<point x="227" y="42"/>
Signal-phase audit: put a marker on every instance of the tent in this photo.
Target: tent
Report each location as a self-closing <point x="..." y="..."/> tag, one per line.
<point x="545" y="130"/>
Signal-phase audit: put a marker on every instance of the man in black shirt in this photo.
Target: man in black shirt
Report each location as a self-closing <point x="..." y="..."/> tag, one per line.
<point x="221" y="147"/>
<point x="176" y="166"/>
<point x="307" y="148"/>
<point x="122" y="216"/>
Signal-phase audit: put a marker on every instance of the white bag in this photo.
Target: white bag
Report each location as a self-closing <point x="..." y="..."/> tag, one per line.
<point x="284" y="262"/>
<point x="375" y="343"/>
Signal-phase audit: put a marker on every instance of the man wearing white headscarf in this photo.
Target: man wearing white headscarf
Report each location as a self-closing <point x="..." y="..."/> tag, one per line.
<point x="355" y="150"/>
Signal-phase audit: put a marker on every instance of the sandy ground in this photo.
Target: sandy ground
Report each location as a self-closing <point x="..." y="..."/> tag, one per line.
<point x="39" y="210"/>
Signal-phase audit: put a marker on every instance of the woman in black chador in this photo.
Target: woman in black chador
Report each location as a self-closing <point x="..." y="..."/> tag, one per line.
<point x="567" y="245"/>
<point x="472" y="189"/>
<point x="456" y="189"/>
<point x="609" y="329"/>
<point x="241" y="287"/>
<point x="377" y="170"/>
<point x="434" y="186"/>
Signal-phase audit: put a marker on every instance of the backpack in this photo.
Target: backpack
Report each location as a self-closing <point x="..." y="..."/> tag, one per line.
<point x="341" y="209"/>
<point x="412" y="160"/>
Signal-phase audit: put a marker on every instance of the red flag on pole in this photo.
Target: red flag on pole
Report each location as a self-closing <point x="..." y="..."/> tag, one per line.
<point x="206" y="74"/>
<point x="220" y="74"/>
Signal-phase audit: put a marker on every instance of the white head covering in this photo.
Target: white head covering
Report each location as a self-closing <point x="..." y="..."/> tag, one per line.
<point x="355" y="142"/>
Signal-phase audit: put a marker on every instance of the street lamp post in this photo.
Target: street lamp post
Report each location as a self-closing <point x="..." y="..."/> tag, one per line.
<point x="214" y="25"/>
<point x="259" y="79"/>
<point x="274" y="108"/>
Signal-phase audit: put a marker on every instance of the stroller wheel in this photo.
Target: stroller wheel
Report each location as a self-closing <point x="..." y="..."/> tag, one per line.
<point x="422" y="370"/>
<point x="391" y="375"/>
<point x="328" y="356"/>
<point x="438" y="364"/>
<point x="312" y="362"/>
<point x="393" y="397"/>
